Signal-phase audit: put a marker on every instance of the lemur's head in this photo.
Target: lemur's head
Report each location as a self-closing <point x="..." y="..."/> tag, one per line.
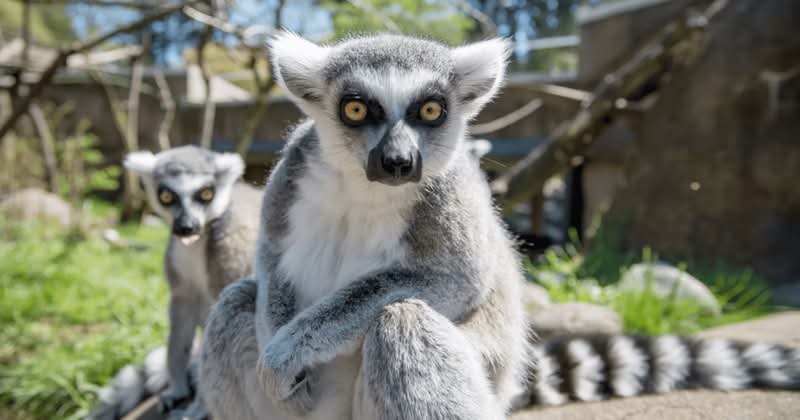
<point x="187" y="185"/>
<point x="390" y="107"/>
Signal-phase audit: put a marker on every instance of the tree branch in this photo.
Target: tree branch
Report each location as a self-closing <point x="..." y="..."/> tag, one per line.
<point x="61" y="59"/>
<point x="572" y="139"/>
<point x="168" y="105"/>
<point x="488" y="27"/>
<point x="209" y="107"/>
<point x="46" y="144"/>
<point x="506" y="120"/>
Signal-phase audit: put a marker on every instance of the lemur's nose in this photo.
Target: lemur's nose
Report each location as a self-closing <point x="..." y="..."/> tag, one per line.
<point x="397" y="166"/>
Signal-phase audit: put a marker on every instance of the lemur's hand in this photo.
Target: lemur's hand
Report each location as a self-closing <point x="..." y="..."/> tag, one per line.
<point x="283" y="376"/>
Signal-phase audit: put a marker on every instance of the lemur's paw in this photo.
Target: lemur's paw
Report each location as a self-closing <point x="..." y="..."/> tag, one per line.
<point x="170" y="399"/>
<point x="195" y="411"/>
<point x="291" y="389"/>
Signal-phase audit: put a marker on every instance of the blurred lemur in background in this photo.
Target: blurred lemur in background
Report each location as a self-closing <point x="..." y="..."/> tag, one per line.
<point x="386" y="285"/>
<point x="214" y="223"/>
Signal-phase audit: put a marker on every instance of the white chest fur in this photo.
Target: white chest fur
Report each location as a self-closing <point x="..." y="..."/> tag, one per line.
<point x="337" y="235"/>
<point x="190" y="263"/>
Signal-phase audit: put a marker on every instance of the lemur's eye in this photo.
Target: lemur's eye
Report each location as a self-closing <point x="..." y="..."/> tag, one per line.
<point x="431" y="111"/>
<point x="353" y="111"/>
<point x="166" y="197"/>
<point x="205" y="195"/>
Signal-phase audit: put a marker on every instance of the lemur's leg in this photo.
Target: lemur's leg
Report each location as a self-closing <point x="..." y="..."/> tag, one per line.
<point x="185" y="315"/>
<point x="228" y="383"/>
<point x="416" y="364"/>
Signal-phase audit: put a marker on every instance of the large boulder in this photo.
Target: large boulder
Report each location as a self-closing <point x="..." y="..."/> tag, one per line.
<point x="665" y="280"/>
<point x="36" y="205"/>
<point x="575" y="318"/>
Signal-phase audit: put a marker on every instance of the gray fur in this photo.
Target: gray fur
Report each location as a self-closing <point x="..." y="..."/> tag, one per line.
<point x="437" y="293"/>
<point x="197" y="271"/>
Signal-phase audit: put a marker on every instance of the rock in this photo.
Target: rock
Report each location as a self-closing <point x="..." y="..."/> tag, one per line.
<point x="683" y="405"/>
<point x="534" y="296"/>
<point x="36" y="205"/>
<point x="787" y="295"/>
<point x="779" y="328"/>
<point x="667" y="279"/>
<point x="574" y="317"/>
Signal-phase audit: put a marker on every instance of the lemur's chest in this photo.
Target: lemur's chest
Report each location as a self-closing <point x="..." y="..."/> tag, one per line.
<point x="190" y="263"/>
<point x="331" y="242"/>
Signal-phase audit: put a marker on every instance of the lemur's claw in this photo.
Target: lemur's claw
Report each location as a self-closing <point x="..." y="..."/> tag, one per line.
<point x="168" y="401"/>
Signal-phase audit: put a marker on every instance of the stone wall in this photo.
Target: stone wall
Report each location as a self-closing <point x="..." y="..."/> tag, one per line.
<point x="715" y="165"/>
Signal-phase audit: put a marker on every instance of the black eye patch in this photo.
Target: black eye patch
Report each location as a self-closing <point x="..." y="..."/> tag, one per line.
<point x="205" y="195"/>
<point x="166" y="196"/>
<point x="356" y="110"/>
<point x="430" y="111"/>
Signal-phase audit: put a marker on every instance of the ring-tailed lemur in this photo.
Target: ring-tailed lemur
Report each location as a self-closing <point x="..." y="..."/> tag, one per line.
<point x="214" y="222"/>
<point x="386" y="286"/>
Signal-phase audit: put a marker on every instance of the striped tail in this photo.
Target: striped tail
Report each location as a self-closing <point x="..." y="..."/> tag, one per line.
<point x="590" y="368"/>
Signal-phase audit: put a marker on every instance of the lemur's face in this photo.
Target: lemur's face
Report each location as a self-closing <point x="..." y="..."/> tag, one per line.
<point x="188" y="186"/>
<point x="393" y="109"/>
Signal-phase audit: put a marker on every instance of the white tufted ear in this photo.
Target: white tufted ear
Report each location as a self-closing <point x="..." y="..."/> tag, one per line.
<point x="297" y="64"/>
<point x="229" y="166"/>
<point x="142" y="163"/>
<point x="480" y="68"/>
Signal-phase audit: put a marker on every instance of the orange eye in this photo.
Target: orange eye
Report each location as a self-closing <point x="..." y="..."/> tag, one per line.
<point x="355" y="111"/>
<point x="165" y="197"/>
<point x="206" y="194"/>
<point x="430" y="111"/>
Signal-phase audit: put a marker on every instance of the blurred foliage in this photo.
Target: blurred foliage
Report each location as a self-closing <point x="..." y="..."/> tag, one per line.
<point x="572" y="274"/>
<point x="433" y="19"/>
<point x="81" y="166"/>
<point x="231" y="61"/>
<point x="74" y="310"/>
<point x="50" y="24"/>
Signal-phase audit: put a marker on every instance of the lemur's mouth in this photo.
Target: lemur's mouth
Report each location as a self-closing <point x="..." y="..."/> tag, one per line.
<point x="188" y="240"/>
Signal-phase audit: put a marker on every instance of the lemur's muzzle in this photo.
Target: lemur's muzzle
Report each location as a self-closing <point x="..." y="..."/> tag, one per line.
<point x="396" y="160"/>
<point x="185" y="225"/>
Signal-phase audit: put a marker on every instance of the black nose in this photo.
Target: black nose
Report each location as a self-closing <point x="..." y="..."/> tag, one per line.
<point x="397" y="166"/>
<point x="184" y="226"/>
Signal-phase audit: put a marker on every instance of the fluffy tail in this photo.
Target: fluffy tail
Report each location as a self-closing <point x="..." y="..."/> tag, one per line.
<point x="588" y="368"/>
<point x="132" y="385"/>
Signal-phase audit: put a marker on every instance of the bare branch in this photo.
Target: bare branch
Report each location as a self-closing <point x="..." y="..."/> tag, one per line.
<point x="131" y="4"/>
<point x="488" y="27"/>
<point x="46" y="144"/>
<point x="61" y="59"/>
<point x="508" y="119"/>
<point x="571" y="140"/>
<point x="374" y="12"/>
<point x="561" y="92"/>
<point x="209" y="107"/>
<point x="168" y="105"/>
<point x="243" y="34"/>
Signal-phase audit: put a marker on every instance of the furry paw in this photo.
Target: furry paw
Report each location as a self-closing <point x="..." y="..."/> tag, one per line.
<point x="291" y="389"/>
<point x="170" y="399"/>
<point x="195" y="411"/>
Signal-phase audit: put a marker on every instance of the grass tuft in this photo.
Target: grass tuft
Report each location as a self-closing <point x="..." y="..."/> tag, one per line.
<point x="73" y="310"/>
<point x="569" y="274"/>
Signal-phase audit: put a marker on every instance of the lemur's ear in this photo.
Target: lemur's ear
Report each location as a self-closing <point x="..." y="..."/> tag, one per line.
<point x="297" y="64"/>
<point x="142" y="163"/>
<point x="229" y="166"/>
<point x="480" y="68"/>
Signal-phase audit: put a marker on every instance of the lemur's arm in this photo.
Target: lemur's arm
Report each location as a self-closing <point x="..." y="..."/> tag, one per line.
<point x="336" y="325"/>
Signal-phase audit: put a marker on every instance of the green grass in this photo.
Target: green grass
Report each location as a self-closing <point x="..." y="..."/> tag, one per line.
<point x="73" y="310"/>
<point x="569" y="274"/>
